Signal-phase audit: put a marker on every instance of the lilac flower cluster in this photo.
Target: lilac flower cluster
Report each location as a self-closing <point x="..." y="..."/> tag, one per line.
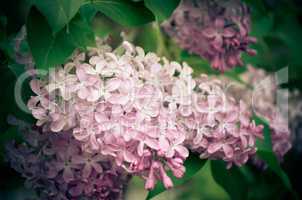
<point x="142" y="111"/>
<point x="219" y="127"/>
<point x="55" y="166"/>
<point x="215" y="30"/>
<point x="259" y="93"/>
<point x="265" y="105"/>
<point x="113" y="104"/>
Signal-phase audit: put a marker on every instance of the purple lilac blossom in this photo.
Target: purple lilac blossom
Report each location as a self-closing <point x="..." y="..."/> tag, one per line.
<point x="215" y="30"/>
<point x="55" y="167"/>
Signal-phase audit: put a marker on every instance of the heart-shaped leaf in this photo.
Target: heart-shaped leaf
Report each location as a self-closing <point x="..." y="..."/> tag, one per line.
<point x="58" y="12"/>
<point x="49" y="50"/>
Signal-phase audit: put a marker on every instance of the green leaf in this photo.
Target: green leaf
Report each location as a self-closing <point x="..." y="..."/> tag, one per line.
<point x="257" y="5"/>
<point x="193" y="164"/>
<point x="266" y="143"/>
<point x="265" y="153"/>
<point x="88" y="11"/>
<point x="7" y="85"/>
<point x="278" y="46"/>
<point x="271" y="160"/>
<point x="261" y="25"/>
<point x="231" y="180"/>
<point x="162" y="9"/>
<point x="103" y="26"/>
<point x="16" y="68"/>
<point x="80" y="33"/>
<point x="198" y="64"/>
<point x="289" y="31"/>
<point x="58" y="12"/>
<point x="124" y="12"/>
<point x="147" y="38"/>
<point x="7" y="46"/>
<point x="151" y="39"/>
<point x="49" y="50"/>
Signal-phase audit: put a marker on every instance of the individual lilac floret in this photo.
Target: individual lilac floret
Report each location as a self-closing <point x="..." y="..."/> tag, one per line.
<point x="56" y="168"/>
<point x="215" y="30"/>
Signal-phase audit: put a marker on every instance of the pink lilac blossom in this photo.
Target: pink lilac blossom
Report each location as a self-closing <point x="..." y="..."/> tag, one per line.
<point x="215" y="30"/>
<point x="55" y="167"/>
<point x="218" y="126"/>
<point x="265" y="105"/>
<point x="132" y="107"/>
<point x="260" y="95"/>
<point x="114" y="105"/>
